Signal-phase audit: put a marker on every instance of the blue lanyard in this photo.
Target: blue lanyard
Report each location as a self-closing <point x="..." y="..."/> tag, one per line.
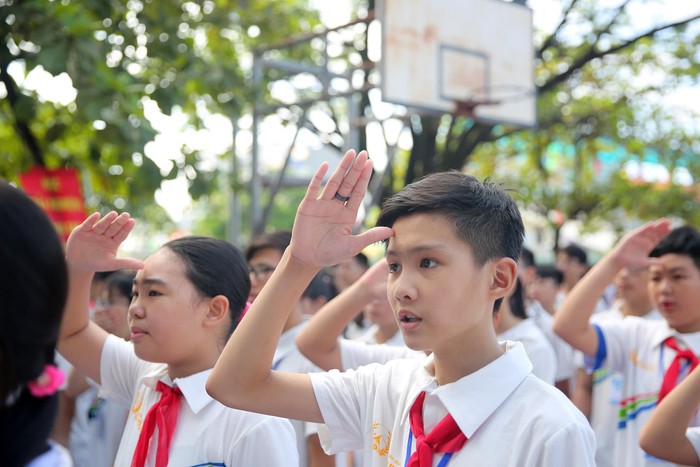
<point x="443" y="462"/>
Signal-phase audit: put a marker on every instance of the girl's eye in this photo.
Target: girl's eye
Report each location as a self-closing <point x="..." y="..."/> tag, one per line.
<point x="154" y="293"/>
<point x="393" y="267"/>
<point x="427" y="263"/>
<point x="134" y="294"/>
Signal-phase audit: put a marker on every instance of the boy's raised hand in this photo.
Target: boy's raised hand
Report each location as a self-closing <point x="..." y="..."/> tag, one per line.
<point x="632" y="251"/>
<point x="93" y="245"/>
<point x="322" y="233"/>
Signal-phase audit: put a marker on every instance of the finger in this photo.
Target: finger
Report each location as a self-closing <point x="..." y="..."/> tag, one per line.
<point x="333" y="185"/>
<point x="376" y="234"/>
<point x="360" y="187"/>
<point x="103" y="224"/>
<point x="117" y="225"/>
<point x="124" y="231"/>
<point x="316" y="182"/>
<point x="128" y="263"/>
<point x="89" y="222"/>
<point x="351" y="177"/>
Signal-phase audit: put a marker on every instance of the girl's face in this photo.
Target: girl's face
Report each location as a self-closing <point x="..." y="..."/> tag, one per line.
<point x="166" y="315"/>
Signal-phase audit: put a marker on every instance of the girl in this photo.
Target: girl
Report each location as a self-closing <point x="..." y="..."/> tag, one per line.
<point x="187" y="299"/>
<point x="33" y="288"/>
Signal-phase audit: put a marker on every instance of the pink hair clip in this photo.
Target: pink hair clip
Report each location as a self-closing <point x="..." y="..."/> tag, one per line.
<point x="48" y="382"/>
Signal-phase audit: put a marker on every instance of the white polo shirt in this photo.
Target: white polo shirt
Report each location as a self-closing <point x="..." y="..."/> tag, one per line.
<point x="537" y="346"/>
<point x="634" y="347"/>
<point x="207" y="432"/>
<point x="511" y="417"/>
<point x="606" y="395"/>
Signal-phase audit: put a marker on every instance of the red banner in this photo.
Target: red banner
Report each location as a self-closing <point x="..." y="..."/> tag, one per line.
<point x="58" y="193"/>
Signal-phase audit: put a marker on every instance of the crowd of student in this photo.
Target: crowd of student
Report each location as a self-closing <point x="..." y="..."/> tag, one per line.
<point x="458" y="349"/>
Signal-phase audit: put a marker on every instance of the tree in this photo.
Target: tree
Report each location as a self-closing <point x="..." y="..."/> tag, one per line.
<point x="191" y="56"/>
<point x="601" y="84"/>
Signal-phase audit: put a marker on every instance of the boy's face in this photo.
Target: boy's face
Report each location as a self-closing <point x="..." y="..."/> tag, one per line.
<point x="545" y="290"/>
<point x="439" y="296"/>
<point x="631" y="285"/>
<point x="572" y="269"/>
<point x="346" y="273"/>
<point x="261" y="266"/>
<point x="674" y="286"/>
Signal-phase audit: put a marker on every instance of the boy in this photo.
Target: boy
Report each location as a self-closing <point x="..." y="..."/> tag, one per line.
<point x="451" y="257"/>
<point x="649" y="354"/>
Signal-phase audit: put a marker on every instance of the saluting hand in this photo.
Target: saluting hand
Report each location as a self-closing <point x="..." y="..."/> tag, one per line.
<point x="322" y="233"/>
<point x="93" y="245"/>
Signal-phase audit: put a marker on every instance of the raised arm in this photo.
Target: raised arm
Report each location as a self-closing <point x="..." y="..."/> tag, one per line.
<point x="318" y="340"/>
<point x="322" y="235"/>
<point x="91" y="247"/>
<point x="663" y="436"/>
<point x="571" y="321"/>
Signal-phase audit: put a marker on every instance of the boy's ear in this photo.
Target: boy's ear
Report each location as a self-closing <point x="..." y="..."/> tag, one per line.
<point x="505" y="274"/>
<point x="217" y="311"/>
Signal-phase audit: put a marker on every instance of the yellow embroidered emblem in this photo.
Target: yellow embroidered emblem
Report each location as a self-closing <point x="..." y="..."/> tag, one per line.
<point x="136" y="410"/>
<point x="381" y="439"/>
<point x="634" y="358"/>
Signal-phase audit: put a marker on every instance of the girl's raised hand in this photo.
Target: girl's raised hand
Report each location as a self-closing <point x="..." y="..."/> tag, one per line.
<point x="93" y="245"/>
<point x="322" y="233"/>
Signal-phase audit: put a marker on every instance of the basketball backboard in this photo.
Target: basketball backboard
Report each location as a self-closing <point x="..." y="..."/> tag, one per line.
<point x="475" y="53"/>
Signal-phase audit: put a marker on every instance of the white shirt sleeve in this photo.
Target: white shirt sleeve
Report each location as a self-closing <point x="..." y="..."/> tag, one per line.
<point x="693" y="435"/>
<point x="571" y="446"/>
<point x="345" y="400"/>
<point x="120" y="370"/>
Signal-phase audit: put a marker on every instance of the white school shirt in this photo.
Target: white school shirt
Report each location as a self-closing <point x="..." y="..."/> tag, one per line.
<point x="634" y="347"/>
<point x="207" y="432"/>
<point x="289" y="360"/>
<point x="511" y="417"/>
<point x="96" y="428"/>
<point x="537" y="346"/>
<point x="563" y="351"/>
<point x="354" y="354"/>
<point x="693" y="435"/>
<point x="606" y="395"/>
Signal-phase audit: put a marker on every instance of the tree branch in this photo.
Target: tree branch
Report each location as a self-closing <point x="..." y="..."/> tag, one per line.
<point x="594" y="53"/>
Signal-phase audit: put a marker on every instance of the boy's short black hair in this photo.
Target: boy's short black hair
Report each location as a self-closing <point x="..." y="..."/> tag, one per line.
<point x="278" y="240"/>
<point x="517" y="301"/>
<point x="548" y="271"/>
<point x="321" y="286"/>
<point x="483" y="214"/>
<point x="683" y="240"/>
<point x="527" y="257"/>
<point x="576" y="252"/>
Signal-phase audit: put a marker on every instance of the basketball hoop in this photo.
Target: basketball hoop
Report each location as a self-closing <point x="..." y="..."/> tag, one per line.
<point x="490" y="96"/>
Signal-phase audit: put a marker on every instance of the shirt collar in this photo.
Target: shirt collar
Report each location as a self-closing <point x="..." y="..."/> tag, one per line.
<point x="501" y="377"/>
<point x="192" y="387"/>
<point x="663" y="332"/>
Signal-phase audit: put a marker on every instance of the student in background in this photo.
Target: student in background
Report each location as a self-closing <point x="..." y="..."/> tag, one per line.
<point x="187" y="299"/>
<point x="652" y="355"/>
<point x="598" y="394"/>
<point x="33" y="290"/>
<point x="512" y="324"/>
<point x="452" y="248"/>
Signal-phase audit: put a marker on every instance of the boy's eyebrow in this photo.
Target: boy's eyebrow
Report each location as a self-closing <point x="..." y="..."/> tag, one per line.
<point x="415" y="249"/>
